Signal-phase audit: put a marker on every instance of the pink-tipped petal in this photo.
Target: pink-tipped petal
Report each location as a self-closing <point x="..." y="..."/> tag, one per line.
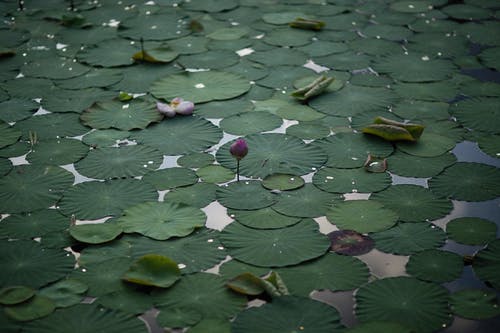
<point x="165" y="109"/>
<point x="185" y="108"/>
<point x="239" y="149"/>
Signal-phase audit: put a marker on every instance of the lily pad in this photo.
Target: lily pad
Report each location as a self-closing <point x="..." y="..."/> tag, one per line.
<point x="275" y="247"/>
<point x="379" y="327"/>
<point x="273" y="153"/>
<point x="306" y="131"/>
<point x="471" y="230"/>
<point x="57" y="152"/>
<point x="480" y="114"/>
<point x="178" y="317"/>
<point x="65" y="292"/>
<point x="332" y="271"/>
<point x="215" y="174"/>
<point x="34" y="308"/>
<point x="87" y="318"/>
<point x="475" y="304"/>
<point x="161" y="220"/>
<point x="429" y="145"/>
<point x="29" y="187"/>
<point x="108" y="53"/>
<point x="16" y="109"/>
<point x="387" y="31"/>
<point x="195" y="160"/>
<point x="363" y="216"/>
<point x="25" y="263"/>
<point x="33" y="224"/>
<point x="250" y="122"/>
<point x="198" y="134"/>
<point x="435" y="265"/>
<point x="136" y="114"/>
<point x="351" y="180"/>
<point x="441" y="91"/>
<point x="153" y="270"/>
<point x="308" y="201"/>
<point x="95" y="199"/>
<point x="121" y="162"/>
<point x="200" y="86"/>
<point x="15" y="294"/>
<point x="102" y="277"/>
<point x="54" y="68"/>
<point x="418" y="110"/>
<point x="104" y="138"/>
<point x="264" y="218"/>
<point x="406" y="165"/>
<point x="350" y="242"/>
<point x="288" y="314"/>
<point x="487" y="262"/>
<point x="409" y="238"/>
<point x="245" y="195"/>
<point x="413" y="203"/>
<point x="165" y="179"/>
<point x="456" y="182"/>
<point x="282" y="182"/>
<point x="96" y="77"/>
<point x="52" y="126"/>
<point x="422" y="306"/>
<point x="204" y="293"/>
<point x="95" y="233"/>
<point x="197" y="195"/>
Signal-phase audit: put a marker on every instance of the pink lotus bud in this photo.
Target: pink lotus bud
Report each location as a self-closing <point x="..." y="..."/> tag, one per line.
<point x="239" y="149"/>
<point x="165" y="109"/>
<point x="185" y="108"/>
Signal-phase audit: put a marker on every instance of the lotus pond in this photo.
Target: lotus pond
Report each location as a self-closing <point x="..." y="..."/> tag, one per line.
<point x="123" y="212"/>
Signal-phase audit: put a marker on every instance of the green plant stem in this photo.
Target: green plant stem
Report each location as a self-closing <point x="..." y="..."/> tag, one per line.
<point x="237" y="170"/>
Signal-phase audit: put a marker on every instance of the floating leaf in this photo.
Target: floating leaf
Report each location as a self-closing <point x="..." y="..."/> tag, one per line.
<point x="413" y="203"/>
<point x="164" y="179"/>
<point x="34" y="308"/>
<point x="487" y="263"/>
<point x="245" y="195"/>
<point x="57" y="152"/>
<point x="475" y="304"/>
<point x="30" y="187"/>
<point x="25" y="263"/>
<point x="480" y="114"/>
<point x="108" y="53"/>
<point x="247" y="284"/>
<point x="153" y="270"/>
<point x="457" y="180"/>
<point x="54" y="68"/>
<point x="178" y="317"/>
<point x="406" y="165"/>
<point x="102" y="277"/>
<point x="200" y="86"/>
<point x="435" y="265"/>
<point x="422" y="306"/>
<point x="430" y="145"/>
<point x="282" y="182"/>
<point x="288" y="314"/>
<point x="264" y="218"/>
<point x="379" y="327"/>
<point x="197" y="195"/>
<point x="350" y="180"/>
<point x="33" y="224"/>
<point x="250" y="122"/>
<point x="215" y="174"/>
<point x="471" y="230"/>
<point x="65" y="292"/>
<point x="95" y="233"/>
<point x="274" y="247"/>
<point x="161" y="220"/>
<point x="15" y="294"/>
<point x="350" y="242"/>
<point x="409" y="238"/>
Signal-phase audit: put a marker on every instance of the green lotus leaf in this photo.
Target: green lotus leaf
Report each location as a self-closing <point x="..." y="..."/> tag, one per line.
<point x="164" y="179"/>
<point x="415" y="68"/>
<point x="162" y="220"/>
<point x="363" y="216"/>
<point x="480" y="114"/>
<point x="136" y="114"/>
<point x="120" y="162"/>
<point x="441" y="91"/>
<point x="131" y="298"/>
<point x="438" y="44"/>
<point x="57" y="152"/>
<point x="375" y="46"/>
<point x="307" y="131"/>
<point x="350" y="150"/>
<point x="197" y="195"/>
<point x="411" y="6"/>
<point x="212" y="6"/>
<point x="204" y="293"/>
<point x="247" y="195"/>
<point x="250" y="122"/>
<point x="153" y="270"/>
<point x="474" y="304"/>
<point x="104" y="138"/>
<point x="387" y="31"/>
<point x="199" y="251"/>
<point x="223" y="109"/>
<point x="379" y="327"/>
<point x="332" y="272"/>
<point x="197" y="135"/>
<point x="481" y="177"/>
<point x="487" y="262"/>
<point x="200" y="86"/>
<point x="421" y="306"/>
<point x="96" y="77"/>
<point x="471" y="230"/>
<point x="246" y="284"/>
<point x="52" y="126"/>
<point x="409" y="238"/>
<point x="211" y="60"/>
<point x="320" y="48"/>
<point x="29" y="187"/>
<point x="108" y="53"/>
<point x="413" y="203"/>
<point x="351" y="180"/>
<point x="87" y="318"/>
<point x="273" y="153"/>
<point x="406" y="165"/>
<point x="25" y="263"/>
<point x="33" y="224"/>
<point x="34" y="308"/>
<point x="195" y="160"/>
<point x="215" y="174"/>
<point x="282" y="182"/>
<point x="95" y="233"/>
<point x="281" y="18"/>
<point x="95" y="199"/>
<point x="290" y="38"/>
<point x="5" y="166"/>
<point x="16" y="109"/>
<point x="65" y="293"/>
<point x="274" y="247"/>
<point x="466" y="12"/>
<point x="54" y="68"/>
<point x="288" y="314"/>
<point x="10" y="134"/>
<point x="15" y="294"/>
<point x="346" y="61"/>
<point x="430" y="145"/>
<point x="279" y="57"/>
<point x="264" y="218"/>
<point x="299" y="112"/>
<point x="435" y="265"/>
<point x="418" y="110"/>
<point x="178" y="317"/>
<point x="65" y="100"/>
